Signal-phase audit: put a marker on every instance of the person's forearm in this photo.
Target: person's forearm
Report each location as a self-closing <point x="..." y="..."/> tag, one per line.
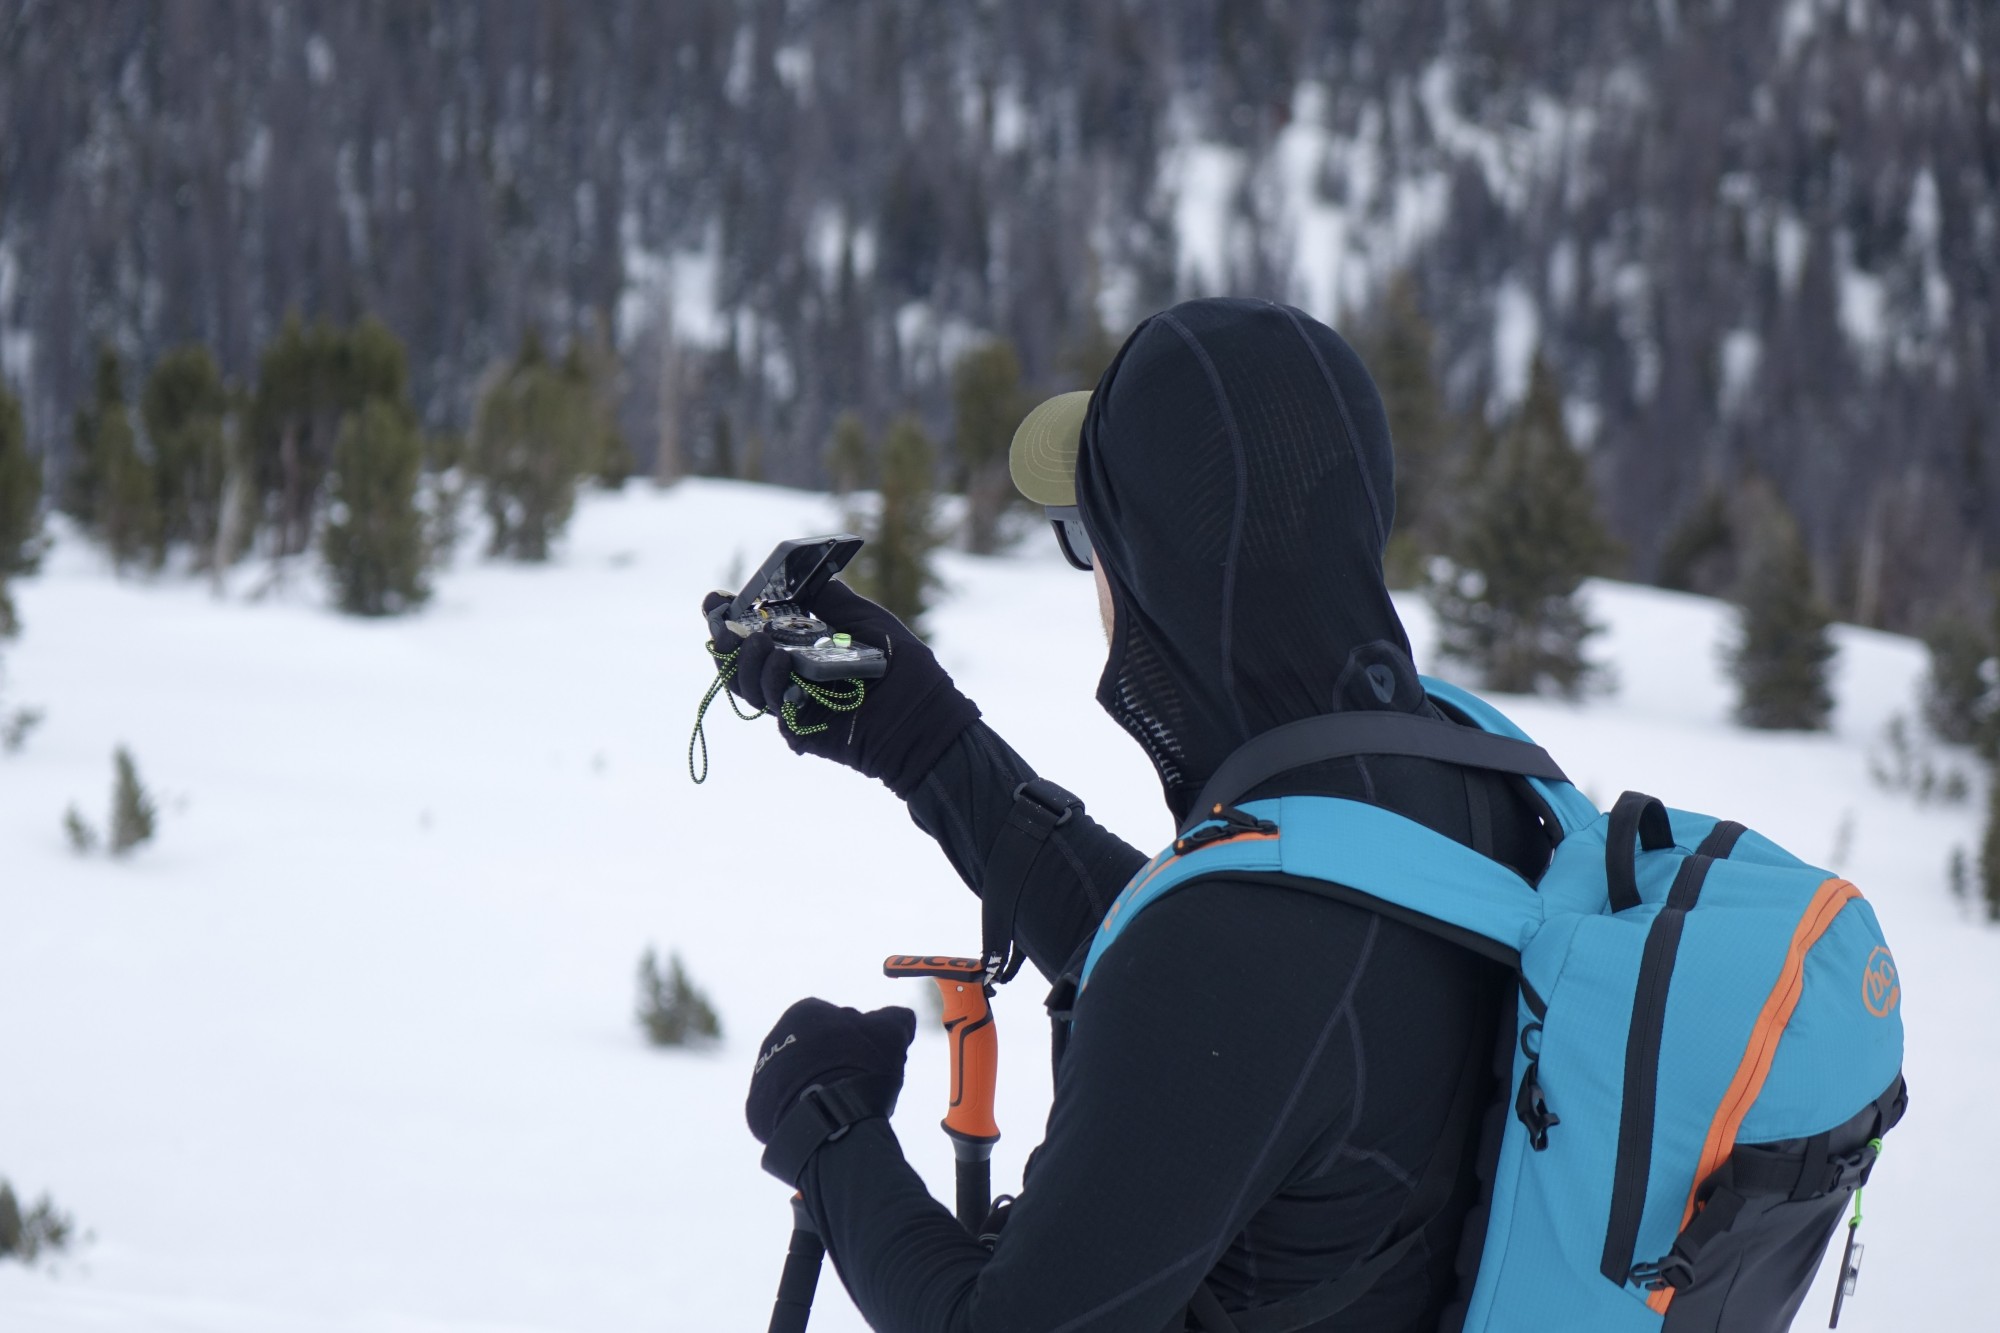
<point x="904" y="1258"/>
<point x="964" y="802"/>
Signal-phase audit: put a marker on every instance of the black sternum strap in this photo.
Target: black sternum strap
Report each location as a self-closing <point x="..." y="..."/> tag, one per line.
<point x="1344" y="735"/>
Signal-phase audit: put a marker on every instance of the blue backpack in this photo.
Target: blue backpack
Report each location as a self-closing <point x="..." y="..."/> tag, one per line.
<point x="1708" y="1043"/>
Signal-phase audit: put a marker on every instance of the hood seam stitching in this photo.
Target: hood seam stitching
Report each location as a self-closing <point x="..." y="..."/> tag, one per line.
<point x="1235" y="521"/>
<point x="1346" y="424"/>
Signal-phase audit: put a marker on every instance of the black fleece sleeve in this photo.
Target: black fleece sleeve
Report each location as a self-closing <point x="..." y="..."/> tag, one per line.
<point x="963" y="803"/>
<point x="1214" y="1051"/>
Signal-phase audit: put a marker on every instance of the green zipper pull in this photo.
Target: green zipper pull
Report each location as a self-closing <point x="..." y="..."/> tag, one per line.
<point x="1850" y="1258"/>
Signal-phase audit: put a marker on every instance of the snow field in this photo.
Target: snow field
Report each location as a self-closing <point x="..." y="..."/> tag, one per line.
<point x="350" y="1046"/>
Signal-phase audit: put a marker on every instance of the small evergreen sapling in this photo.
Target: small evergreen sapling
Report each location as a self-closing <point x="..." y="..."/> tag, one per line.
<point x="894" y="568"/>
<point x="185" y="406"/>
<point x="81" y="833"/>
<point x="539" y="428"/>
<point x="28" y="1235"/>
<point x="374" y="544"/>
<point x="132" y="810"/>
<point x="1958" y="689"/>
<point x="1783" y="654"/>
<point x="110" y="488"/>
<point x="671" y="1010"/>
<point x="1528" y="537"/>
<point x="309" y="379"/>
<point x="17" y="725"/>
<point x="987" y="404"/>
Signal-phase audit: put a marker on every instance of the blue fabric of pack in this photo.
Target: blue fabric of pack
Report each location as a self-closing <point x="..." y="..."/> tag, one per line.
<point x="1674" y="1044"/>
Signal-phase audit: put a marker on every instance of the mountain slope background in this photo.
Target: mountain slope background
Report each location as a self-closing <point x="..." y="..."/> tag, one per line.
<point x="1754" y="236"/>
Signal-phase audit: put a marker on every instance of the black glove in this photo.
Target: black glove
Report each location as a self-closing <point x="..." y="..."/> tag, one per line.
<point x="908" y="719"/>
<point x="850" y="1062"/>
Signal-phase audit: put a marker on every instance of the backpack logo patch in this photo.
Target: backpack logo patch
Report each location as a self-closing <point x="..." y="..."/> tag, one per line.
<point x="1879" y="988"/>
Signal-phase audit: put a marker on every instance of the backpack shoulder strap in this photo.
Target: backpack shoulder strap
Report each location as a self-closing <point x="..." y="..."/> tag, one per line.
<point x="1317" y="841"/>
<point x="1344" y="735"/>
<point x="1572" y="809"/>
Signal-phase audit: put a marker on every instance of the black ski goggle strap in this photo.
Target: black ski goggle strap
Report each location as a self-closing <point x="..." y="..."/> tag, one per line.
<point x="1067" y="520"/>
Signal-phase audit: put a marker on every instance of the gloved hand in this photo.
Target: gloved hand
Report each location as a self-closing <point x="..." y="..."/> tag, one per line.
<point x="816" y="1043"/>
<point x="909" y="717"/>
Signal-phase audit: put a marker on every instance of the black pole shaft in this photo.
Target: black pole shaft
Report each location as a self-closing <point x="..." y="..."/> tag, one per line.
<point x="801" y="1276"/>
<point x="975" y="1181"/>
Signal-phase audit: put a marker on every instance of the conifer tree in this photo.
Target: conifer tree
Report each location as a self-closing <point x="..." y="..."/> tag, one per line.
<point x="1529" y="536"/>
<point x="533" y="437"/>
<point x="308" y="379"/>
<point x="987" y="404"/>
<point x="1401" y="352"/>
<point x="1087" y="354"/>
<point x="20" y="507"/>
<point x="133" y="813"/>
<point x="672" y="1010"/>
<point x="82" y="834"/>
<point x="1989" y="852"/>
<point x="445" y="454"/>
<point x="1783" y="651"/>
<point x="850" y="458"/>
<point x="110" y="490"/>
<point x="27" y="1235"/>
<point x="374" y="543"/>
<point x="1958" y="694"/>
<point x="592" y="369"/>
<point x="894" y="568"/>
<point x="1701" y="552"/>
<point x="183" y="406"/>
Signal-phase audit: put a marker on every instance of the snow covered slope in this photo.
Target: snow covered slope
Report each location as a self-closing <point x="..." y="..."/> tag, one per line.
<point x="350" y="1046"/>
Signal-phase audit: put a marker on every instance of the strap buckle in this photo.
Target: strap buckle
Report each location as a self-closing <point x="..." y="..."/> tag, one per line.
<point x="825" y="1113"/>
<point x="1672" y="1271"/>
<point x="1849" y="1170"/>
<point x="1232" y="823"/>
<point x="1049" y="798"/>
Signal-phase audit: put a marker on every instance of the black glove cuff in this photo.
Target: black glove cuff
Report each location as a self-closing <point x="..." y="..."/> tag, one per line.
<point x="825" y="1112"/>
<point x="907" y="754"/>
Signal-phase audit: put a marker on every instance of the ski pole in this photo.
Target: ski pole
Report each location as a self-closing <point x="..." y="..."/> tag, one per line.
<point x="966" y="987"/>
<point x="801" y="1276"/>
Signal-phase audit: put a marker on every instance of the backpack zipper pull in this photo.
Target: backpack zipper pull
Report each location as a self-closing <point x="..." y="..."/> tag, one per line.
<point x="1850" y="1258"/>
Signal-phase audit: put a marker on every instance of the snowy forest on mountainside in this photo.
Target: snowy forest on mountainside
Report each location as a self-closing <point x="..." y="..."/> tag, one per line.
<point x="1750" y="235"/>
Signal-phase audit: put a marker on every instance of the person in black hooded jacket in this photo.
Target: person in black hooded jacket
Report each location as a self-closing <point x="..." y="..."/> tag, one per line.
<point x="1258" y="1077"/>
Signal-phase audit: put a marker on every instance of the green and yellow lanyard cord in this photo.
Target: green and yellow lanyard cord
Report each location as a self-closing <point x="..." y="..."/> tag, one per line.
<point x="1849" y="1264"/>
<point x="833" y="700"/>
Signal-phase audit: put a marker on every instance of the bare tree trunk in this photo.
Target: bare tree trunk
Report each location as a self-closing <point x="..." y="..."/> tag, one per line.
<point x="669" y="463"/>
<point x="229" y="527"/>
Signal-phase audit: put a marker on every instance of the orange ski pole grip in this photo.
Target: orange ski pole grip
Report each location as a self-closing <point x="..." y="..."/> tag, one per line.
<point x="975" y="1060"/>
<point x="966" y="986"/>
<point x="975" y="1045"/>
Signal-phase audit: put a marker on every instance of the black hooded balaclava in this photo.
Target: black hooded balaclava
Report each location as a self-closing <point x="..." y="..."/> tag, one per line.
<point x="1236" y="480"/>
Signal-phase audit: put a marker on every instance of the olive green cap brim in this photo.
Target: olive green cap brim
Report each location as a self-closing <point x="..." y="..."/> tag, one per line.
<point x="1042" y="458"/>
